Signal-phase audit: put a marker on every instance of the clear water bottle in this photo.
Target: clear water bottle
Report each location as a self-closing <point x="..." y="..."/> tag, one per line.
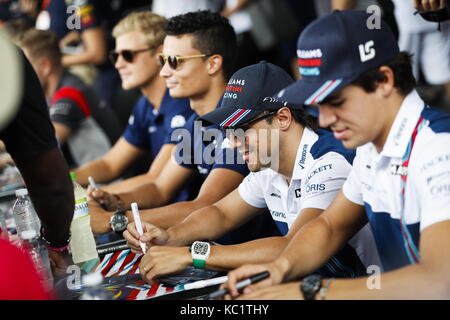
<point x="24" y="214"/>
<point x="33" y="244"/>
<point x="82" y="244"/>
<point x="3" y="228"/>
<point x="92" y="282"/>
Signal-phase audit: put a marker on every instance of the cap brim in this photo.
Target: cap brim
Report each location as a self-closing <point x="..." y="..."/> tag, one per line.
<point x="304" y="92"/>
<point x="229" y="117"/>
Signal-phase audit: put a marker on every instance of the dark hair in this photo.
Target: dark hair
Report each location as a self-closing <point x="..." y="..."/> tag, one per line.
<point x="302" y="117"/>
<point x="212" y="34"/>
<point x="404" y="79"/>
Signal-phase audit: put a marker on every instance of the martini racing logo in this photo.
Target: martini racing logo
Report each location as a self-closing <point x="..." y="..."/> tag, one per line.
<point x="234" y="87"/>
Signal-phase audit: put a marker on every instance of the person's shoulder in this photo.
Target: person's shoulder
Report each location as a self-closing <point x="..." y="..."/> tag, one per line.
<point x="438" y="121"/>
<point x="328" y="146"/>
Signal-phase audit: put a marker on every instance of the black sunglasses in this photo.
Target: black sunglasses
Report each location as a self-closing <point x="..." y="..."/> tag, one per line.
<point x="127" y="55"/>
<point x="245" y="126"/>
<point x="174" y="61"/>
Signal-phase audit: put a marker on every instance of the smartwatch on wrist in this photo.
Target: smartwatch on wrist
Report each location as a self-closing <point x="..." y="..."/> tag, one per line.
<point x="119" y="221"/>
<point x="200" y="252"/>
<point x="310" y="286"/>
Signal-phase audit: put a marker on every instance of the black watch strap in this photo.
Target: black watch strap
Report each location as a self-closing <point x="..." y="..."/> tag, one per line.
<point x="310" y="286"/>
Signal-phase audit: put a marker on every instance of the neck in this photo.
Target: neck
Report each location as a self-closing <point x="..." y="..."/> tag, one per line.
<point x="289" y="145"/>
<point x="154" y="91"/>
<point x="390" y="111"/>
<point x="207" y="102"/>
<point x="52" y="83"/>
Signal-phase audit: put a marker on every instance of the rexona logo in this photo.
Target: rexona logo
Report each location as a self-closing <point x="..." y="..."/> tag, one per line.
<point x="301" y="163"/>
<point x="366" y="52"/>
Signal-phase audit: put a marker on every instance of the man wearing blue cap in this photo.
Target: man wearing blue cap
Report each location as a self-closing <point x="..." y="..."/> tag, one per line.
<point x="305" y="168"/>
<point x="399" y="183"/>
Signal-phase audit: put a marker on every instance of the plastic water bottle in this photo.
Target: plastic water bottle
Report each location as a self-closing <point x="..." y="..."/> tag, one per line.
<point x="93" y="287"/>
<point x="33" y="244"/>
<point x="82" y="244"/>
<point x="24" y="214"/>
<point x="3" y="228"/>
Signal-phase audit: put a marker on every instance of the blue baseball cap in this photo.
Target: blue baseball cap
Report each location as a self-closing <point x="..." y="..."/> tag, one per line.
<point x="334" y="50"/>
<point x="248" y="94"/>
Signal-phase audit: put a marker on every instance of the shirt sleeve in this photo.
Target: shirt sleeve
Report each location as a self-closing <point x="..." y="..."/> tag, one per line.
<point x="184" y="149"/>
<point x="66" y="112"/>
<point x="324" y="181"/>
<point x="88" y="14"/>
<point x="431" y="178"/>
<point x="251" y="192"/>
<point x="352" y="187"/>
<point x="177" y="120"/>
<point x="136" y="131"/>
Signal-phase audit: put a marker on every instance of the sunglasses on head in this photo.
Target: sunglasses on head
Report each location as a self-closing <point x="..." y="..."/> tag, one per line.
<point x="127" y="55"/>
<point x="174" y="61"/>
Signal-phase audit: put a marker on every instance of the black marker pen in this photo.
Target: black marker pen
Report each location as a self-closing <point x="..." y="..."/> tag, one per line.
<point x="241" y="284"/>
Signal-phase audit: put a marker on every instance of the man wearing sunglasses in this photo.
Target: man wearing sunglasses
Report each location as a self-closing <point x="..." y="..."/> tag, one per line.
<point x="304" y="171"/>
<point x="139" y="39"/>
<point x="200" y="47"/>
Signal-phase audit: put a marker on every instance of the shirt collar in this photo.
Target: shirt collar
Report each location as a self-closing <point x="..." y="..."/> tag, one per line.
<point x="309" y="137"/>
<point x="403" y="126"/>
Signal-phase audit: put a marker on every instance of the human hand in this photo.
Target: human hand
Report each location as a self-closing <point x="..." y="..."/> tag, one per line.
<point x="105" y="199"/>
<point x="429" y="5"/>
<point x="100" y="218"/>
<point x="159" y="261"/>
<point x="59" y="262"/>
<point x="152" y="236"/>
<point x="246" y="271"/>
<point x="287" y="291"/>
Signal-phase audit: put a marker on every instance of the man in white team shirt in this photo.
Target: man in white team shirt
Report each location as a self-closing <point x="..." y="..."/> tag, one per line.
<point x="399" y="183"/>
<point x="305" y="169"/>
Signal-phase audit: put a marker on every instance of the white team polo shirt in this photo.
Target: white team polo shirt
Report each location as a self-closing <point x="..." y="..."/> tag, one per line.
<point x="375" y="180"/>
<point x="321" y="167"/>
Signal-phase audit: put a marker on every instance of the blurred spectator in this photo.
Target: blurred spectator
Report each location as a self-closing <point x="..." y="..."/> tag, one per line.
<point x="85" y="127"/>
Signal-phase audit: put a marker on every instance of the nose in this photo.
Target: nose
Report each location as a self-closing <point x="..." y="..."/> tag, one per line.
<point x="120" y="62"/>
<point x="236" y="143"/>
<point x="165" y="71"/>
<point x="326" y="116"/>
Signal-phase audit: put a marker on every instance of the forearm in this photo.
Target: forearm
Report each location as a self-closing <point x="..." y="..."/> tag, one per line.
<point x="146" y="196"/>
<point x="205" y="224"/>
<point x="411" y="282"/>
<point x="172" y="214"/>
<point x="309" y="249"/>
<point x="224" y="258"/>
<point x="129" y="184"/>
<point x="98" y="169"/>
<point x="51" y="191"/>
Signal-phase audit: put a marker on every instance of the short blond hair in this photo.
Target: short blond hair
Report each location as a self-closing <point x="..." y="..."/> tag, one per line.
<point x="150" y="24"/>
<point x="41" y="43"/>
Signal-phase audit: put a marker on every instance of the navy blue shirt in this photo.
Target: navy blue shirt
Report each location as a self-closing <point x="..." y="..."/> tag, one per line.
<point x="150" y="129"/>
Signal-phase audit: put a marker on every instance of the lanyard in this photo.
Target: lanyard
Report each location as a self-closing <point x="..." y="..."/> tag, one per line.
<point x="411" y="249"/>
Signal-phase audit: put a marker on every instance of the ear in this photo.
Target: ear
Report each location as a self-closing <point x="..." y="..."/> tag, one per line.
<point x="46" y="66"/>
<point x="214" y="64"/>
<point x="387" y="86"/>
<point x="284" y="118"/>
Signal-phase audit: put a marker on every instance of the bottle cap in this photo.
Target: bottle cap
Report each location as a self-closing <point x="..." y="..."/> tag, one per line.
<point x="28" y="234"/>
<point x="92" y="279"/>
<point x="21" y="192"/>
<point x="73" y="176"/>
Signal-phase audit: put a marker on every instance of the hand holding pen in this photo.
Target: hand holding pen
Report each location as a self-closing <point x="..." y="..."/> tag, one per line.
<point x="240" y="285"/>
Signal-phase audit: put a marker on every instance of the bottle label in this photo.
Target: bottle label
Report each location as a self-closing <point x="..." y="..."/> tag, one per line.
<point x="81" y="208"/>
